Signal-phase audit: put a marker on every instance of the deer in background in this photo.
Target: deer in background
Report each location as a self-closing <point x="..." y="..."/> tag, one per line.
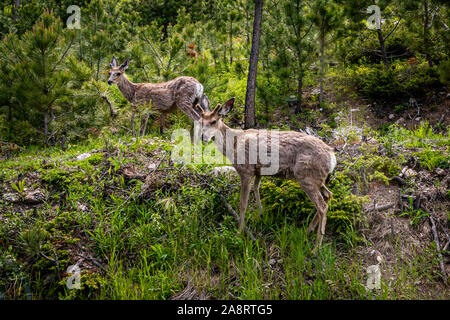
<point x="182" y="93"/>
<point x="300" y="156"/>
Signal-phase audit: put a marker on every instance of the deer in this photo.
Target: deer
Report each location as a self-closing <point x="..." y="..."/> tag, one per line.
<point x="180" y="93"/>
<point x="302" y="157"/>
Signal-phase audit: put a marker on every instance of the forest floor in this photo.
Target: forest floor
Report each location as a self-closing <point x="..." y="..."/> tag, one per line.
<point x="142" y="227"/>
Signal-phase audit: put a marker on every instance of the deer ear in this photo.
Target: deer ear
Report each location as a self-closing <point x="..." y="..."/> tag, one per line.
<point x="204" y="102"/>
<point x="114" y="62"/>
<point x="124" y="66"/>
<point x="226" y="107"/>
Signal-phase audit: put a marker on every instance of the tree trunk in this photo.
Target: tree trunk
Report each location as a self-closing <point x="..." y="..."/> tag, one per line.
<point x="426" y="40"/>
<point x="383" y="48"/>
<point x="253" y="68"/>
<point x="298" y="108"/>
<point x="10" y="122"/>
<point x="16" y="9"/>
<point x="231" y="43"/>
<point x="322" y="64"/>
<point x="46" y="128"/>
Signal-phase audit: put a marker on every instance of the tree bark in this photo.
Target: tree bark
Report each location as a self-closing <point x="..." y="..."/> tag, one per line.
<point x="426" y="40"/>
<point x="46" y="128"/>
<point x="322" y="64"/>
<point x="298" y="108"/>
<point x="253" y="67"/>
<point x="383" y="48"/>
<point x="16" y="9"/>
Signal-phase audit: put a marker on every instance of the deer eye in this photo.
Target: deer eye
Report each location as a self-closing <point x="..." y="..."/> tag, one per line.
<point x="213" y="122"/>
<point x="118" y="74"/>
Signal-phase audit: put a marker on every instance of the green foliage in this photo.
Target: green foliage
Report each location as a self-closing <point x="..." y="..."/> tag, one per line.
<point x="380" y="83"/>
<point x="431" y="159"/>
<point x="286" y="200"/>
<point x="444" y="72"/>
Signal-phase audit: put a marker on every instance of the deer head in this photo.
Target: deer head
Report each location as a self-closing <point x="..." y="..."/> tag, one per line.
<point x="117" y="71"/>
<point x="212" y="123"/>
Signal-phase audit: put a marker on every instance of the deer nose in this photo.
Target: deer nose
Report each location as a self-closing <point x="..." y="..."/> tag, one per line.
<point x="109" y="82"/>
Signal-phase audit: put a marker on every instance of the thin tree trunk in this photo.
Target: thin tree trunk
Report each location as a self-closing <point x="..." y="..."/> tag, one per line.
<point x="383" y="48"/>
<point x="426" y="39"/>
<point x="10" y="122"/>
<point x="231" y="43"/>
<point x="16" y="9"/>
<point x="253" y="67"/>
<point x="298" y="108"/>
<point x="46" y="128"/>
<point x="322" y="64"/>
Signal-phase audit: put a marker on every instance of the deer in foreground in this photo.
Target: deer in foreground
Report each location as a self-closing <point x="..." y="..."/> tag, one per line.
<point x="182" y="93"/>
<point x="300" y="156"/>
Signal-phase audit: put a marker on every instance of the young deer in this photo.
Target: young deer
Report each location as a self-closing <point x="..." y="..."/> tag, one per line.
<point x="300" y="156"/>
<point x="182" y="92"/>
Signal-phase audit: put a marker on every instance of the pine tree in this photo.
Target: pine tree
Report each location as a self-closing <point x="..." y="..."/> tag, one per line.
<point x="40" y="81"/>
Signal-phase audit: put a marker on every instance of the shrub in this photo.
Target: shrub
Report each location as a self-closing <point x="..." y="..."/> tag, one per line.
<point x="380" y="83"/>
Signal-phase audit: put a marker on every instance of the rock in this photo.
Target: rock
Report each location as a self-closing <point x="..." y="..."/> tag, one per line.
<point x="82" y="207"/>
<point x="418" y="118"/>
<point x="441" y="172"/>
<point x="408" y="173"/>
<point x="83" y="156"/>
<point x="391" y="116"/>
<point x="401" y="120"/>
<point x="224" y="170"/>
<point x="11" y="197"/>
<point x="34" y="197"/>
<point x="315" y="92"/>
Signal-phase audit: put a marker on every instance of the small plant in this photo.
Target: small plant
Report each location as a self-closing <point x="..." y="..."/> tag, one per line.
<point x="433" y="159"/>
<point x="19" y="187"/>
<point x="415" y="216"/>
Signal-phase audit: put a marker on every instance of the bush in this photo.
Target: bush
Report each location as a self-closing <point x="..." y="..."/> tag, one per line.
<point x="400" y="80"/>
<point x="286" y="199"/>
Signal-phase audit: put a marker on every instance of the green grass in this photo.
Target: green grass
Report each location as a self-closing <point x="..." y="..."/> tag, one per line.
<point x="152" y="247"/>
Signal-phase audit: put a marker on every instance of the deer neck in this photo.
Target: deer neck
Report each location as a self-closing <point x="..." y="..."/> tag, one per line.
<point x="127" y="88"/>
<point x="226" y="142"/>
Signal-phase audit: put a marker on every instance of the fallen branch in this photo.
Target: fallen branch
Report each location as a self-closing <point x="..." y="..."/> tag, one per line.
<point x="380" y="208"/>
<point x="111" y="109"/>
<point x="225" y="202"/>
<point x="231" y="210"/>
<point x="438" y="247"/>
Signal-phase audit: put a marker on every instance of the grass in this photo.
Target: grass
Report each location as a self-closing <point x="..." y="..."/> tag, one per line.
<point x="152" y="247"/>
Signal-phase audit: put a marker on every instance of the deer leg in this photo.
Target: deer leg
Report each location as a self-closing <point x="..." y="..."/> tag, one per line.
<point x="245" y="189"/>
<point x="327" y="194"/>
<point x="256" y="185"/>
<point x="161" y="123"/>
<point x="133" y="130"/>
<point x="314" y="222"/>
<point x="315" y="195"/>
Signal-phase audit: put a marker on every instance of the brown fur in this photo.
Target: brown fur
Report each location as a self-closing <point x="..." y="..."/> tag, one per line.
<point x="182" y="92"/>
<point x="302" y="157"/>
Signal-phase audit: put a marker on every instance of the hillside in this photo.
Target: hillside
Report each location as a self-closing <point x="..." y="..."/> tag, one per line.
<point x="140" y="226"/>
<point x="99" y="200"/>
